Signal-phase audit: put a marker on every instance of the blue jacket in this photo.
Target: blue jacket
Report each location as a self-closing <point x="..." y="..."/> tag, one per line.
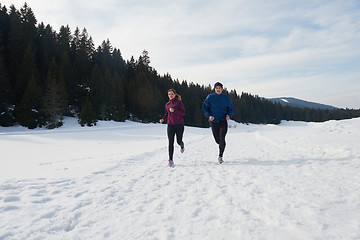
<point x="217" y="105"/>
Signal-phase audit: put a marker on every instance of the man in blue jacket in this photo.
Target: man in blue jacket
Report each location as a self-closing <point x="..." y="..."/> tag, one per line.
<point x="218" y="108"/>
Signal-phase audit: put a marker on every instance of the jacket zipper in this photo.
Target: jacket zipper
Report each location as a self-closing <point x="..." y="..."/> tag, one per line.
<point x="171" y="114"/>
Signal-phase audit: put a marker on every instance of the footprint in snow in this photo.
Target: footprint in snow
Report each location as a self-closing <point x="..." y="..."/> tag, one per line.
<point x="9" y="208"/>
<point x="11" y="199"/>
<point x="44" y="200"/>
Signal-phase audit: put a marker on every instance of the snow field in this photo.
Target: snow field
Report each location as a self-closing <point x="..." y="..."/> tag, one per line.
<point x="291" y="181"/>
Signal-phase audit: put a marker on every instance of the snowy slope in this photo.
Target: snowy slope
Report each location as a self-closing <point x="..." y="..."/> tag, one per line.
<point x="290" y="181"/>
<point x="294" y="102"/>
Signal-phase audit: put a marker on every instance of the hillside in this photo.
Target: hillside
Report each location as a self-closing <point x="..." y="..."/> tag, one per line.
<point x="294" y="102"/>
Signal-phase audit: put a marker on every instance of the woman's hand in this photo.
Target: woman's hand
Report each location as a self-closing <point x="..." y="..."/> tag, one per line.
<point x="171" y="109"/>
<point x="161" y="120"/>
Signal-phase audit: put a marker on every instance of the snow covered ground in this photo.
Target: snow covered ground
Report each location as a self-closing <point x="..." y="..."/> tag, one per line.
<point x="295" y="180"/>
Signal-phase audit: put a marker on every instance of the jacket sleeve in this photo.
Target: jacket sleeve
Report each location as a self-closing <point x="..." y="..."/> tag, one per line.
<point x="206" y="107"/>
<point x="166" y="114"/>
<point x="230" y="108"/>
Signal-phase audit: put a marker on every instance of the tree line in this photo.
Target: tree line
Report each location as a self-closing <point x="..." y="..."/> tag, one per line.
<point x="46" y="75"/>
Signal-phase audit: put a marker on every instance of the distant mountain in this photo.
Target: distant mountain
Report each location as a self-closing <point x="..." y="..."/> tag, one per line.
<point x="294" y="102"/>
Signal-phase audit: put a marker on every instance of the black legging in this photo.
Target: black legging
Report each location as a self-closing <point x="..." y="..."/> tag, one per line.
<point x="171" y="131"/>
<point x="219" y="130"/>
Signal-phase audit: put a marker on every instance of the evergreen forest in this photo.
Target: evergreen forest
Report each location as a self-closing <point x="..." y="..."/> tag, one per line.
<point x="46" y="75"/>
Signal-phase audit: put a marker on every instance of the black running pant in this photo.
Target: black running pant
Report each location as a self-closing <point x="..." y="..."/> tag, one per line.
<point x="219" y="130"/>
<point x="173" y="130"/>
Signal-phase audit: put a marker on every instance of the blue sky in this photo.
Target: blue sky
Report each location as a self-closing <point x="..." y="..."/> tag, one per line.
<point x="284" y="48"/>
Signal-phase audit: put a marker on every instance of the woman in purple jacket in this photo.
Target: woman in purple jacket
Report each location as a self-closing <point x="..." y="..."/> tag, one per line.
<point x="174" y="114"/>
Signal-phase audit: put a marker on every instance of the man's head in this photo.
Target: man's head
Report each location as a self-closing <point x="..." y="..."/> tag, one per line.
<point x="218" y="87"/>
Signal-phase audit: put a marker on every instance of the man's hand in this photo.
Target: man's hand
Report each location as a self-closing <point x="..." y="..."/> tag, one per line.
<point x="227" y="117"/>
<point x="211" y="118"/>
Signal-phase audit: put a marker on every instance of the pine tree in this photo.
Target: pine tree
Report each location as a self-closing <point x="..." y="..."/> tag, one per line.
<point x="117" y="109"/>
<point x="142" y="95"/>
<point x="5" y="86"/>
<point x="28" y="111"/>
<point x="15" y="52"/>
<point x="96" y="85"/>
<point x="6" y="109"/>
<point x="106" y="97"/>
<point x="83" y="51"/>
<point x="28" y="70"/>
<point x="63" y="40"/>
<point x="87" y="115"/>
<point x="104" y="57"/>
<point x="28" y="22"/>
<point x="55" y="102"/>
<point x="144" y="61"/>
<point x="119" y="63"/>
<point x="71" y="84"/>
<point x="46" y="50"/>
<point x="7" y="97"/>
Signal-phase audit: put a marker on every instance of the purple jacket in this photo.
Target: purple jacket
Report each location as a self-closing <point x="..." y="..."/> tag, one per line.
<point x="176" y="117"/>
